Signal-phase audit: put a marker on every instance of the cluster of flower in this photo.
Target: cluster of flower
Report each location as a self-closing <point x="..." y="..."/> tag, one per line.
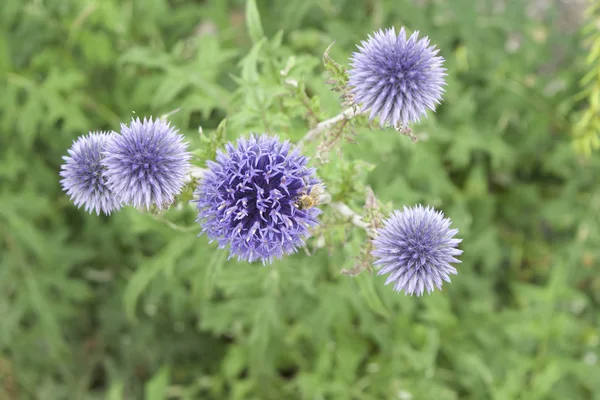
<point x="256" y="196"/>
<point x="143" y="166"/>
<point x="398" y="79"/>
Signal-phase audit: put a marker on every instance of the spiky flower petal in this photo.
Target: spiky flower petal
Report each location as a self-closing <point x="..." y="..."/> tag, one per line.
<point x="416" y="248"/>
<point x="82" y="175"/>
<point x="246" y="199"/>
<point x="147" y="163"/>
<point x="397" y="78"/>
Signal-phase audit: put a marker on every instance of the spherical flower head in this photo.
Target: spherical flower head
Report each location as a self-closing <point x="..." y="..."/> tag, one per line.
<point x="147" y="163"/>
<point x="416" y="247"/>
<point x="82" y="175"/>
<point x="397" y="78"/>
<point x="247" y="199"/>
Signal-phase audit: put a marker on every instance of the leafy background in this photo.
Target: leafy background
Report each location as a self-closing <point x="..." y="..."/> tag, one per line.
<point x="134" y="306"/>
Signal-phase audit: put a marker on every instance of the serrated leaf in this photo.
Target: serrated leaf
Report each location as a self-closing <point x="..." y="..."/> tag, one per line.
<point x="212" y="272"/>
<point x="253" y="21"/>
<point x="367" y="290"/>
<point x="163" y="261"/>
<point x="171" y="86"/>
<point x="210" y="143"/>
<point x="138" y="283"/>
<point x="145" y="57"/>
<point x="548" y="377"/>
<point x="250" y="63"/>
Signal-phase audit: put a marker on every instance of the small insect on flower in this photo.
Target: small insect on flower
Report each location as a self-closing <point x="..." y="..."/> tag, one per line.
<point x="248" y="199"/>
<point x="315" y="196"/>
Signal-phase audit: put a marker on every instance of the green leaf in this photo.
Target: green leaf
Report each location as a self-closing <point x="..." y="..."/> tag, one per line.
<point x="163" y="261"/>
<point x="140" y="280"/>
<point x="145" y="57"/>
<point x="156" y="388"/>
<point x="116" y="391"/>
<point x="250" y="63"/>
<point x="210" y="143"/>
<point x="253" y="21"/>
<point x="171" y="86"/>
<point x="367" y="290"/>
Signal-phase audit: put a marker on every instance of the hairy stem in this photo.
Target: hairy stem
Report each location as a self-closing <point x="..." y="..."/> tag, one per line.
<point x="347" y="212"/>
<point x="347" y="114"/>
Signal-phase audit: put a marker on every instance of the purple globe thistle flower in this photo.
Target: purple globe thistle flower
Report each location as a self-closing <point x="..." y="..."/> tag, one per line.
<point x="415" y="247"/>
<point x="147" y="163"/>
<point x="397" y="78"/>
<point x="247" y="199"/>
<point x="82" y="175"/>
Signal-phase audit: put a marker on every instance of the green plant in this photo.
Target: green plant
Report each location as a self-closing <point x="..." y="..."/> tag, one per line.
<point x="136" y="306"/>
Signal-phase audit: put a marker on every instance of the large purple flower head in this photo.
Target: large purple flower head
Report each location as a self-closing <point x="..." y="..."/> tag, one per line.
<point x="416" y="247"/>
<point x="397" y="78"/>
<point x="247" y="199"/>
<point x="82" y="175"/>
<point x="147" y="163"/>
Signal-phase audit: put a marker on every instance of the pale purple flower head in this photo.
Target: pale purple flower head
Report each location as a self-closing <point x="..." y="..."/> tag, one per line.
<point x="247" y="199"/>
<point x="416" y="247"/>
<point x="397" y="78"/>
<point x="147" y="163"/>
<point x="82" y="177"/>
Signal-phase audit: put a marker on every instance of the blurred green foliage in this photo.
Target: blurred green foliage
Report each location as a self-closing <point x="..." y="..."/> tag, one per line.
<point x="586" y="127"/>
<point x="127" y="307"/>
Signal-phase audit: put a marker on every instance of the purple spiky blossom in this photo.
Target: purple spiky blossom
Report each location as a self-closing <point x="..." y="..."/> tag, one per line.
<point x="246" y="199"/>
<point x="397" y="78"/>
<point x="82" y="177"/>
<point x="416" y="248"/>
<point x="147" y="163"/>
